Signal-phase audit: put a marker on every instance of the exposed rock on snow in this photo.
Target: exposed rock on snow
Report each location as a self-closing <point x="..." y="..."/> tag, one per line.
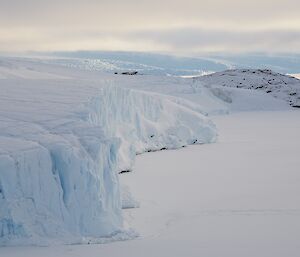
<point x="129" y="73"/>
<point x="281" y="86"/>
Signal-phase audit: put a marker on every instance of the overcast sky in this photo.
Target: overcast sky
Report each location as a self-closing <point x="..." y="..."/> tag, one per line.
<point x="176" y="26"/>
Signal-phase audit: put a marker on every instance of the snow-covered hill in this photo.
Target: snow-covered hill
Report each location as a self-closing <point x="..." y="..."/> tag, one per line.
<point x="278" y="85"/>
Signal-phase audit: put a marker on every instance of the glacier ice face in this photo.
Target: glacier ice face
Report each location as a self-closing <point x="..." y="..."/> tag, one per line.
<point x="146" y="121"/>
<point x="59" y="191"/>
<point x="59" y="159"/>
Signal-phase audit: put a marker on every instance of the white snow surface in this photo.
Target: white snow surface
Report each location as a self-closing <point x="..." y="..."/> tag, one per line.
<point x="65" y="135"/>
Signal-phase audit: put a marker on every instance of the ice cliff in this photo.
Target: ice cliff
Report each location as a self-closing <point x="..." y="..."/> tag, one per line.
<point x="60" y="156"/>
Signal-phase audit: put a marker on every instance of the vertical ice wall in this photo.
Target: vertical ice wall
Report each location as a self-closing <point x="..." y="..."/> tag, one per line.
<point x="58" y="190"/>
<point x="146" y="121"/>
<point x="61" y="183"/>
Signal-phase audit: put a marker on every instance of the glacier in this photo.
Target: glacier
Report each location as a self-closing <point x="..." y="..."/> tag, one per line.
<point x="62" y="144"/>
<point x="66" y="134"/>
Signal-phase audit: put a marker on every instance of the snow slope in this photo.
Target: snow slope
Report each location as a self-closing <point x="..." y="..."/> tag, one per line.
<point x="278" y="85"/>
<point x="64" y="136"/>
<point x="212" y="99"/>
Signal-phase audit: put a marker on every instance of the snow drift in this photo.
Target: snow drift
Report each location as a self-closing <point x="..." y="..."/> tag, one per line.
<point x="59" y="183"/>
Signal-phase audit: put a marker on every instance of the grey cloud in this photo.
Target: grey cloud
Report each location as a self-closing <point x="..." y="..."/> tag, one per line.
<point x="183" y="25"/>
<point x="230" y="40"/>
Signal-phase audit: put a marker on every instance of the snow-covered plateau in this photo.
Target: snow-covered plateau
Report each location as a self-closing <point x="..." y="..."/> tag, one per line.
<point x="66" y="133"/>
